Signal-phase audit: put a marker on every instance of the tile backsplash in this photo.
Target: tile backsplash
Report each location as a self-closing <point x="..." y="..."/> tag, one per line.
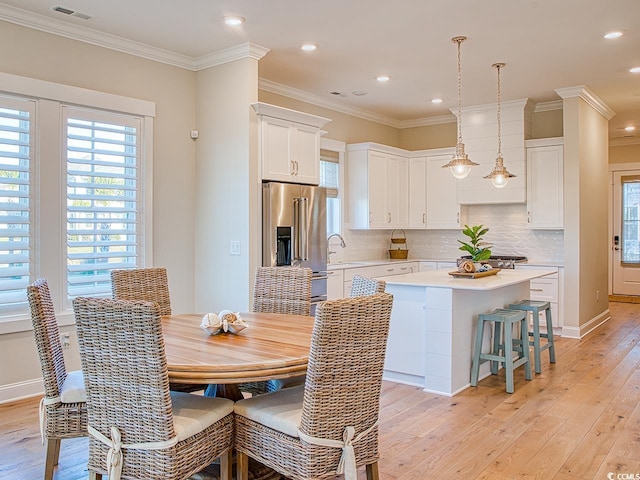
<point x="508" y="233"/>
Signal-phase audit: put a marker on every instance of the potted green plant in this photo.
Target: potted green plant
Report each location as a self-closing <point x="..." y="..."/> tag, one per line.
<point x="476" y="246"/>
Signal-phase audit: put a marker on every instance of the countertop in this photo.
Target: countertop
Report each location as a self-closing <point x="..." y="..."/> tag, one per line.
<point x="368" y="263"/>
<point x="441" y="279"/>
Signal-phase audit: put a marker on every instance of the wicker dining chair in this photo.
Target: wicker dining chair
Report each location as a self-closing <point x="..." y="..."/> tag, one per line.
<point x="284" y="290"/>
<point x="301" y="431"/>
<point x="134" y="421"/>
<point x="63" y="410"/>
<point x="361" y="286"/>
<point x="149" y="284"/>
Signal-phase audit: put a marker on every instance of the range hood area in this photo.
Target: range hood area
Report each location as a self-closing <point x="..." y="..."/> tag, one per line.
<point x="479" y="135"/>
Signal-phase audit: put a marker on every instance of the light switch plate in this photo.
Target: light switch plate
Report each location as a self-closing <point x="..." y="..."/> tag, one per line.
<point x="235" y="247"/>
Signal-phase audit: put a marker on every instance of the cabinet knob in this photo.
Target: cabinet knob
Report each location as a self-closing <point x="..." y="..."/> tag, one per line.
<point x="388" y="217"/>
<point x="424" y="218"/>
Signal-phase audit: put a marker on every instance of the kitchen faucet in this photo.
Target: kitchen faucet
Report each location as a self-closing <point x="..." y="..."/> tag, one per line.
<point x="329" y="251"/>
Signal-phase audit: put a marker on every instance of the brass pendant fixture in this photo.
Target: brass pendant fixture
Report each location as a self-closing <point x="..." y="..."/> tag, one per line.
<point x="460" y="164"/>
<point x="499" y="176"/>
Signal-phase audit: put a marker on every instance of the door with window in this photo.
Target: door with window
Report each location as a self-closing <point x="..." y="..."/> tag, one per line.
<point x="626" y="232"/>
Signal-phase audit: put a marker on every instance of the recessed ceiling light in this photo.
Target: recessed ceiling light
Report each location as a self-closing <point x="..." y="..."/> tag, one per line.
<point x="383" y="78"/>
<point x="610" y="35"/>
<point x="630" y="128"/>
<point x="234" y="20"/>
<point x="436" y="100"/>
<point x="635" y="70"/>
<point x="309" y="47"/>
<point x="358" y="93"/>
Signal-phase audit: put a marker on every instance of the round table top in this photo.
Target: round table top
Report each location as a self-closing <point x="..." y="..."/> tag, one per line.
<point x="272" y="346"/>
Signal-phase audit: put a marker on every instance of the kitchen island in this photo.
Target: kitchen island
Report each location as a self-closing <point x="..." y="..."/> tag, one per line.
<point x="433" y="324"/>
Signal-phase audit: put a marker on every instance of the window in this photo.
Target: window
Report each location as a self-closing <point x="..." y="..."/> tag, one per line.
<point x="631" y="220"/>
<point x="16" y="137"/>
<point x="102" y="199"/>
<point x="73" y="167"/>
<point x="329" y="178"/>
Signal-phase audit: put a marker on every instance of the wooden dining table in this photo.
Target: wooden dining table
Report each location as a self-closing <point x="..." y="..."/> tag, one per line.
<point x="272" y="346"/>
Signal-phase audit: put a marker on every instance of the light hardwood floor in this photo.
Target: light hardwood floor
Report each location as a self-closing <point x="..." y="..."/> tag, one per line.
<point x="578" y="419"/>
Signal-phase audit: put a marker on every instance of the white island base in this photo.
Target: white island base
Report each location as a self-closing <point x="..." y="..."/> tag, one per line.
<point x="434" y="320"/>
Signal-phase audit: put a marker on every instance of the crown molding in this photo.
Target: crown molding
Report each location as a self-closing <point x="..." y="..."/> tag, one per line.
<point x="301" y="95"/>
<point x="548" y="106"/>
<point x="276" y="111"/>
<point x="427" y="121"/>
<point x="246" y="50"/>
<point x="588" y="96"/>
<point x="87" y="35"/>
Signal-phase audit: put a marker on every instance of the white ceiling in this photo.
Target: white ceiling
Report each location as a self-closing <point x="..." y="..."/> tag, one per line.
<point x="546" y="45"/>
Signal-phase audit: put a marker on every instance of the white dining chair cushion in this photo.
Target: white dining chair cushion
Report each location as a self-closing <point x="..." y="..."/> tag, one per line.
<point x="280" y="410"/>
<point x="194" y="413"/>
<point x="72" y="390"/>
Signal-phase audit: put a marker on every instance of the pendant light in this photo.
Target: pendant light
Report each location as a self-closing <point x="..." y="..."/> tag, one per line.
<point x="499" y="176"/>
<point x="460" y="164"/>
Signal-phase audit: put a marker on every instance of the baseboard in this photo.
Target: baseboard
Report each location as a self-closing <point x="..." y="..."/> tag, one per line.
<point x="586" y="328"/>
<point x="21" y="390"/>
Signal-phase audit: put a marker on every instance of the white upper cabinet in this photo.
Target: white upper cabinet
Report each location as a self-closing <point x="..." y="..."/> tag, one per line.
<point x="289" y="144"/>
<point x="443" y="209"/>
<point x="545" y="177"/>
<point x="377" y="186"/>
<point x="418" y="192"/>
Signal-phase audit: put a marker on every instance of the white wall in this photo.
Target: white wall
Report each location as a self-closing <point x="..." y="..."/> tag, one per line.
<point x="227" y="185"/>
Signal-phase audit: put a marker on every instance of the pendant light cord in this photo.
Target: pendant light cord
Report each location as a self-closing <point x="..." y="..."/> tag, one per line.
<point x="498" y="67"/>
<point x="459" y="40"/>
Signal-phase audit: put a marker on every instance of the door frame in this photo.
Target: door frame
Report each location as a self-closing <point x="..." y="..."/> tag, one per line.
<point x="613" y="169"/>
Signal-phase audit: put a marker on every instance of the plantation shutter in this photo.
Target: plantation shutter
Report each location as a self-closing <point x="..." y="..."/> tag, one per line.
<point x="103" y="198"/>
<point x="16" y="137"/>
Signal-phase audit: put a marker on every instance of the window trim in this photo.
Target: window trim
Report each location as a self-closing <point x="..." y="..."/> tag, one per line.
<point x="49" y="98"/>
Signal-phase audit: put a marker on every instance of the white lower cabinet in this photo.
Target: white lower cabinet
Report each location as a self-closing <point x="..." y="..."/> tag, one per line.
<point x="335" y="280"/>
<point x="546" y="289"/>
<point x="426" y="266"/>
<point x="376" y="271"/>
<point x="433" y="265"/>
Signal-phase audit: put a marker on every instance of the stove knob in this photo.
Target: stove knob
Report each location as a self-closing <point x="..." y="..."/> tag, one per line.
<point x="500" y="263"/>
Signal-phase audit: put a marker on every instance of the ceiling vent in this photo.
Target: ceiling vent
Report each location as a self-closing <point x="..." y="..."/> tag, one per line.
<point x="72" y="13"/>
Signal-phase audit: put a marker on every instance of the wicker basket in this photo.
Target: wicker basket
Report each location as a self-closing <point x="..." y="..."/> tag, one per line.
<point x="402" y="239"/>
<point x="396" y="252"/>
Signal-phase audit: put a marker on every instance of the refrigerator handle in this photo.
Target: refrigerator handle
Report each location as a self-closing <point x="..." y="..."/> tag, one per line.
<point x="301" y="228"/>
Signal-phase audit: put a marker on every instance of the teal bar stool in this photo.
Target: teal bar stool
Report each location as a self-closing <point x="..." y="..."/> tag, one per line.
<point x="535" y="307"/>
<point x="506" y="323"/>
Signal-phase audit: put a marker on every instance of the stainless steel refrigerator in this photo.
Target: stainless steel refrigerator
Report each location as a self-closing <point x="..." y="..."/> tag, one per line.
<point x="294" y="231"/>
